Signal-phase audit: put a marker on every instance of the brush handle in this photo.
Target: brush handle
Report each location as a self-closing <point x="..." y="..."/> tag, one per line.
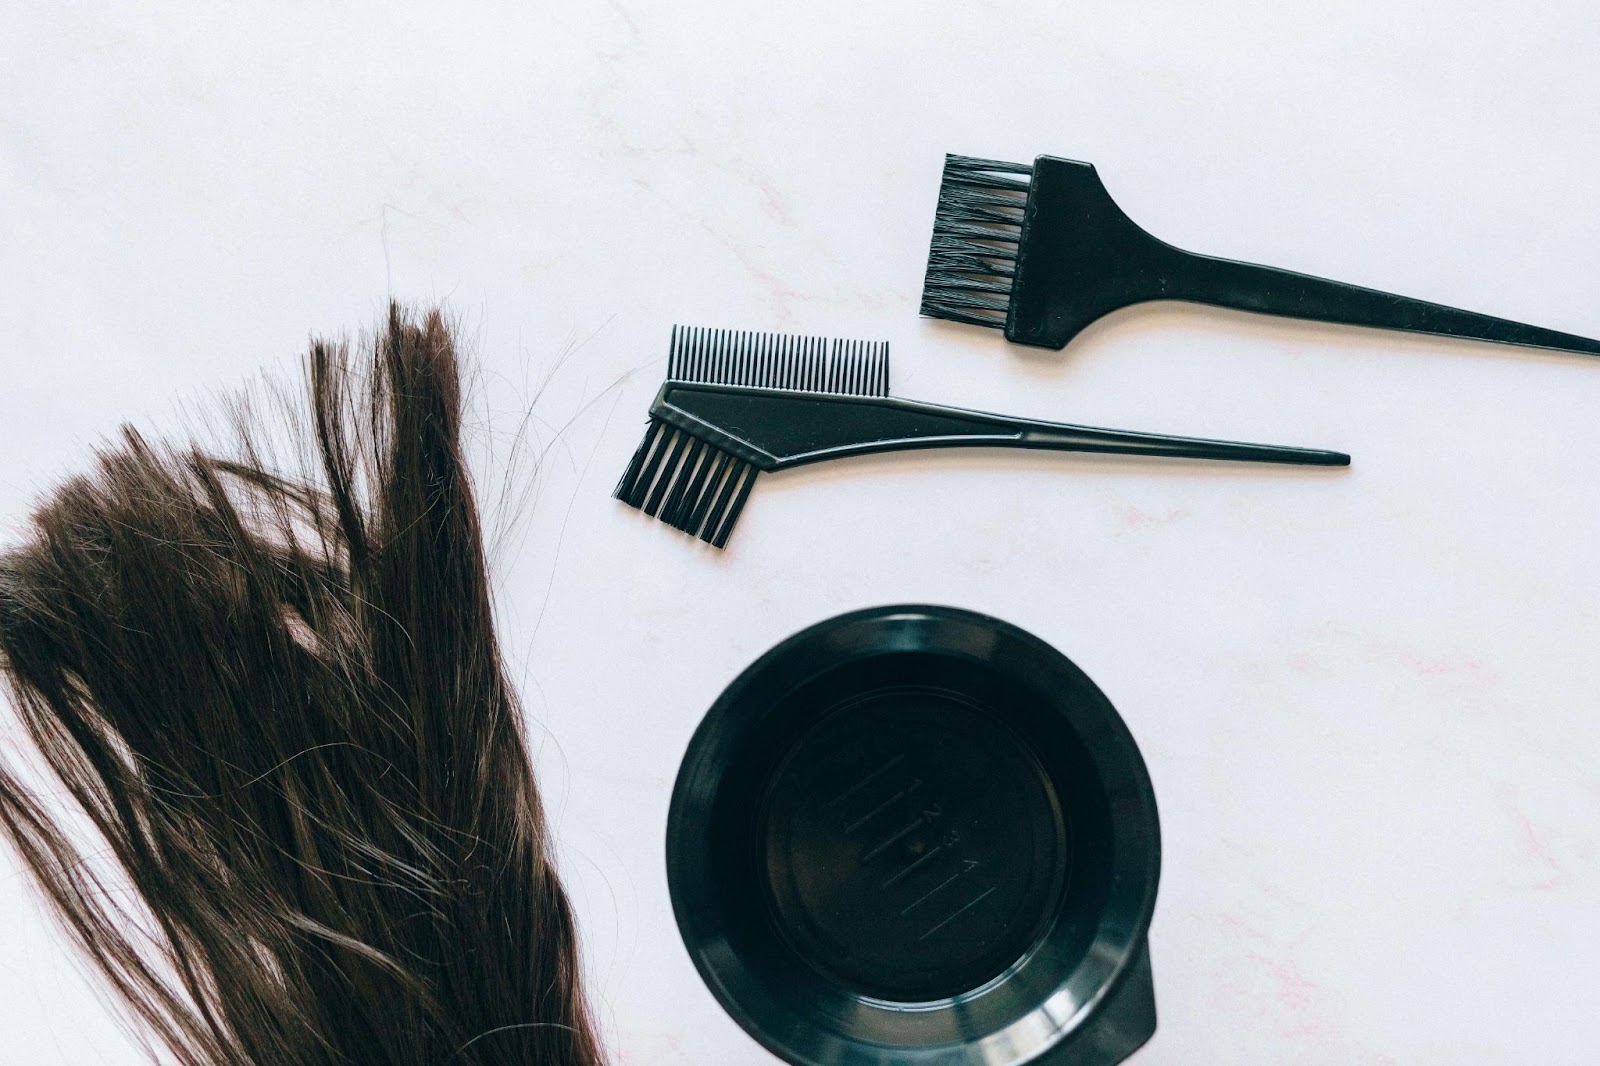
<point x="1271" y="291"/>
<point x="1080" y="257"/>
<point x="775" y="429"/>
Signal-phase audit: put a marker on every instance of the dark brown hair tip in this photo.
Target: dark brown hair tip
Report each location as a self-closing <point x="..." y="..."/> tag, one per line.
<point x="280" y="703"/>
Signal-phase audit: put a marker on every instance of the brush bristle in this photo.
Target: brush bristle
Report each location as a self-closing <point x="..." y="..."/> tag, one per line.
<point x="779" y="361"/>
<point x="976" y="231"/>
<point x="687" y="483"/>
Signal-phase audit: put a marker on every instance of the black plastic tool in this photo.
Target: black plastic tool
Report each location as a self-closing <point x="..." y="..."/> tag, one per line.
<point x="735" y="404"/>
<point x="919" y="835"/>
<point x="1042" y="251"/>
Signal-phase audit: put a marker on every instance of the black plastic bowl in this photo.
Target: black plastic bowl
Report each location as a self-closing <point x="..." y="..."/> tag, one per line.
<point x="919" y="835"/>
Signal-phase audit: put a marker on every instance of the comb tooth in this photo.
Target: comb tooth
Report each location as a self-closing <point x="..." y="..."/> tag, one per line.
<point x="650" y="466"/>
<point x="750" y="359"/>
<point x="670" y="489"/>
<point x="654" y="467"/>
<point x="883" y="369"/>
<point x="694" y="471"/>
<point x="717" y="512"/>
<point x="706" y="511"/>
<point x="636" y="465"/>
<point x="732" y="515"/>
<point x="656" y="471"/>
<point x="673" y="505"/>
<point x="669" y="474"/>
<point x="716" y="515"/>
<point x="714" y="471"/>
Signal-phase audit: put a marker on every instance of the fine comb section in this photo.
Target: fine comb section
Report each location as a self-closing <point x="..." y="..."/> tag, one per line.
<point x="977" y="228"/>
<point x="699" y="488"/>
<point x="778" y="361"/>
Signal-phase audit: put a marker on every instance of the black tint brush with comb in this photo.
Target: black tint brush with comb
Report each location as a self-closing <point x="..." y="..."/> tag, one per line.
<point x="1042" y="251"/>
<point x="735" y="404"/>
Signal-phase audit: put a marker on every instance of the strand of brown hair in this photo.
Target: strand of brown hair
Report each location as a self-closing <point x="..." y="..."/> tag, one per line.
<point x="280" y="705"/>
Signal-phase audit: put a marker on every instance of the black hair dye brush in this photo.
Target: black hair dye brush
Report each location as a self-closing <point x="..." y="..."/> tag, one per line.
<point x="1042" y="251"/>
<point x="735" y="404"/>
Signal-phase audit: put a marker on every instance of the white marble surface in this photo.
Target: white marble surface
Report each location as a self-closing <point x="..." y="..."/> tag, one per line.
<point x="1367" y="698"/>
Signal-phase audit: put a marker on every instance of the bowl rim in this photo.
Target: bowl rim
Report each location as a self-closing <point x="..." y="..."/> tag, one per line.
<point x="924" y="628"/>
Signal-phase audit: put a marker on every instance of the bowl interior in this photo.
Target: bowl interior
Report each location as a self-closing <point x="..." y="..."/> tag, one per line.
<point x="927" y="833"/>
<point x="911" y="844"/>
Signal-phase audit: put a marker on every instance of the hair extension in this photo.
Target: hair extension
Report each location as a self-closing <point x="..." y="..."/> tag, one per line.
<point x="279" y="705"/>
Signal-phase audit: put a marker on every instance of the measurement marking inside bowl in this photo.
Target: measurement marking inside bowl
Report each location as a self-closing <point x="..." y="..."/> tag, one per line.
<point x="913" y="866"/>
<point x="873" y="776"/>
<point x="880" y="808"/>
<point x="968" y="906"/>
<point x="899" y="835"/>
<point x="934" y="891"/>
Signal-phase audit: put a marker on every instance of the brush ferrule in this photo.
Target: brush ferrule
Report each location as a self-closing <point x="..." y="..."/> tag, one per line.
<point x="677" y="404"/>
